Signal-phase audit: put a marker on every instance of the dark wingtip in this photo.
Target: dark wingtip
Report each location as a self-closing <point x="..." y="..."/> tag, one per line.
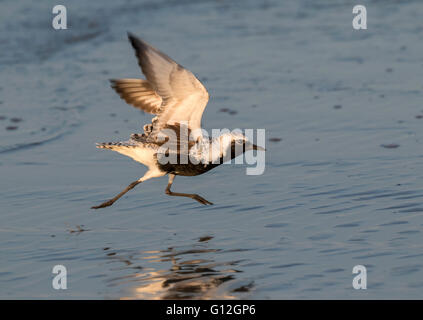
<point x="138" y="44"/>
<point x="133" y="39"/>
<point x="113" y="84"/>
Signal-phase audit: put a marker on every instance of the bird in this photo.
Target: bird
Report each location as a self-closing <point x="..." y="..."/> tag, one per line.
<point x="177" y="99"/>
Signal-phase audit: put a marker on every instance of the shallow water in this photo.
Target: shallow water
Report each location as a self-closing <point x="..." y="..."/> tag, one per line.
<point x="343" y="184"/>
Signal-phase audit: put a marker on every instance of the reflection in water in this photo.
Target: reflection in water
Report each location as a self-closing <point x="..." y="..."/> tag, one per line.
<point x="188" y="272"/>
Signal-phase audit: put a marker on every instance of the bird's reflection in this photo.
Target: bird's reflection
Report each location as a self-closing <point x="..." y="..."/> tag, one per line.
<point x="188" y="272"/>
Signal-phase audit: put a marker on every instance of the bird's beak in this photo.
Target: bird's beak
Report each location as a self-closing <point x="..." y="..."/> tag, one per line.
<point x="258" y="148"/>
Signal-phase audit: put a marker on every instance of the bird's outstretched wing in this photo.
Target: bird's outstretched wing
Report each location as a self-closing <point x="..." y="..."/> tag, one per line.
<point x="183" y="98"/>
<point x="139" y="93"/>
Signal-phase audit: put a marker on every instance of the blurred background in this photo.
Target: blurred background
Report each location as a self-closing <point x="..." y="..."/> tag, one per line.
<point x="343" y="184"/>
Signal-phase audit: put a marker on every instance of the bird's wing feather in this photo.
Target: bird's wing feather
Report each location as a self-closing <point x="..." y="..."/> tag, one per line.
<point x="138" y="93"/>
<point x="183" y="96"/>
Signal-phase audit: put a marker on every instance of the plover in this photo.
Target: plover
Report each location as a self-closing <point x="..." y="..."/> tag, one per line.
<point x="178" y="100"/>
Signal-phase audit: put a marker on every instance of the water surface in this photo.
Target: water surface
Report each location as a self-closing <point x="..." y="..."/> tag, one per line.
<point x="343" y="184"/>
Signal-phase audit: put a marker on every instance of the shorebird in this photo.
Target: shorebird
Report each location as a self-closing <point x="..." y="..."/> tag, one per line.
<point x="178" y="100"/>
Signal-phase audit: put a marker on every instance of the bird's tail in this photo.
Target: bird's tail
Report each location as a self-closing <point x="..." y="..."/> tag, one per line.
<point x="116" y="146"/>
<point x="131" y="149"/>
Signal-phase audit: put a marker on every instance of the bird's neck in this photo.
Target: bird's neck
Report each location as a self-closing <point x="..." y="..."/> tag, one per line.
<point x="216" y="150"/>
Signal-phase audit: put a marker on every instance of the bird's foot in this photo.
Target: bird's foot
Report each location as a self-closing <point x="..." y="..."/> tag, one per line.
<point x="103" y="205"/>
<point x="201" y="199"/>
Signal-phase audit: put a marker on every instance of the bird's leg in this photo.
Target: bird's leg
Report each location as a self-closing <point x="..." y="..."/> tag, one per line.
<point x="188" y="195"/>
<point x="147" y="176"/>
<point x="111" y="201"/>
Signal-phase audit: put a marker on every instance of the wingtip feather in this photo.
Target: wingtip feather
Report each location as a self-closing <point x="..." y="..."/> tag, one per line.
<point x="130" y="34"/>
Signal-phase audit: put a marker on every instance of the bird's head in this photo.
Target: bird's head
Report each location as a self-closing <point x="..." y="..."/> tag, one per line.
<point x="237" y="144"/>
